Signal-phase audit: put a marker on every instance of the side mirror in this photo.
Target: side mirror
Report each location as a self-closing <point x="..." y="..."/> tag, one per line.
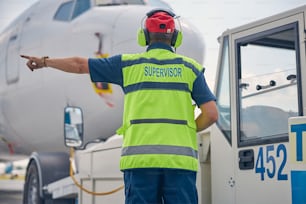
<point x="73" y="127"/>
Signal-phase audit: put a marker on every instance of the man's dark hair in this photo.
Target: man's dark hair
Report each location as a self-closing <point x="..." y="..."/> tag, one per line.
<point x="161" y="37"/>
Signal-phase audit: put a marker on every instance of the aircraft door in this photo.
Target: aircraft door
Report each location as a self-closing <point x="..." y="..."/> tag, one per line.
<point x="12" y="57"/>
<point x="267" y="75"/>
<point x="16" y="44"/>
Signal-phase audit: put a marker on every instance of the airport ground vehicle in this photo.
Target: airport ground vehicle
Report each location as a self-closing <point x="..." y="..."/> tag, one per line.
<point x="256" y="151"/>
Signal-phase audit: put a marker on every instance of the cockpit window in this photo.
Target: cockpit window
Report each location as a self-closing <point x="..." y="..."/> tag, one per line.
<point x="154" y="3"/>
<point x="80" y="7"/>
<point x="71" y="9"/>
<point x="158" y="3"/>
<point x="63" y="13"/>
<point x="118" y="2"/>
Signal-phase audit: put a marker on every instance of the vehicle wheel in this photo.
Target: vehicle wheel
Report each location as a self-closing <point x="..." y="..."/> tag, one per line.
<point x="31" y="186"/>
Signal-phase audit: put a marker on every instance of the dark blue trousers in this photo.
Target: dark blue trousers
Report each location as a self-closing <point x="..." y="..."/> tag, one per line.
<point x="160" y="186"/>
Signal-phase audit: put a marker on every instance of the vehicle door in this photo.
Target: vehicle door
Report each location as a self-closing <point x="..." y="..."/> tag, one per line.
<point x="268" y="89"/>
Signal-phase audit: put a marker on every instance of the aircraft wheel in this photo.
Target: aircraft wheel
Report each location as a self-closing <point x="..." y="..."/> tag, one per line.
<point x="31" y="186"/>
<point x="31" y="189"/>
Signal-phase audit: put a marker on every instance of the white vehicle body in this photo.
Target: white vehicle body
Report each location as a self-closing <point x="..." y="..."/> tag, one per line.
<point x="256" y="152"/>
<point x="255" y="155"/>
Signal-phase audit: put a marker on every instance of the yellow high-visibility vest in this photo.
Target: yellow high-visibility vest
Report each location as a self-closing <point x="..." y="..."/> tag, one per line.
<point x="159" y="129"/>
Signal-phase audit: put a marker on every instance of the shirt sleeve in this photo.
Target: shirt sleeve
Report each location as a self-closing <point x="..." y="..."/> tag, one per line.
<point x="201" y="93"/>
<point x="106" y="70"/>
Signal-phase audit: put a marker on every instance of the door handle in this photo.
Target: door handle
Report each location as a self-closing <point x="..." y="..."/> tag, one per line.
<point x="13" y="37"/>
<point x="246" y="159"/>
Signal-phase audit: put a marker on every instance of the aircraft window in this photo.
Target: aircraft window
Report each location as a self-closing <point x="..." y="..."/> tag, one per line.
<point x="80" y="7"/>
<point x="223" y="93"/>
<point x="118" y="2"/>
<point x="268" y="91"/>
<point x="63" y="13"/>
<point x="134" y="2"/>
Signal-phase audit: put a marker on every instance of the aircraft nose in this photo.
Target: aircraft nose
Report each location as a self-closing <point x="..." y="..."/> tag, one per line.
<point x="193" y="42"/>
<point x="130" y="21"/>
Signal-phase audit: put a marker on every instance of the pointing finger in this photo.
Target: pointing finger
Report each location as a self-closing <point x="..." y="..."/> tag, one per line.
<point x="25" y="56"/>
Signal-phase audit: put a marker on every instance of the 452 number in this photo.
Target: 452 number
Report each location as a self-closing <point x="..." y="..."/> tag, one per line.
<point x="266" y="162"/>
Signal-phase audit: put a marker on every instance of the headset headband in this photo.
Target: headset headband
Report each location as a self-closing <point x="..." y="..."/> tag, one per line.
<point x="152" y="12"/>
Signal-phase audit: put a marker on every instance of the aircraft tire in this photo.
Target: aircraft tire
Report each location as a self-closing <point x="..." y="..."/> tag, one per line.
<point x="31" y="189"/>
<point x="31" y="186"/>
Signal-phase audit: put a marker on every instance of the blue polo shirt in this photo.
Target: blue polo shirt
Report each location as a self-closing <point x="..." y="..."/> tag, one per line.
<point x="110" y="70"/>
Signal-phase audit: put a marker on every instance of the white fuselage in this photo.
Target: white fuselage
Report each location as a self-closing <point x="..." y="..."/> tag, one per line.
<point x="32" y="103"/>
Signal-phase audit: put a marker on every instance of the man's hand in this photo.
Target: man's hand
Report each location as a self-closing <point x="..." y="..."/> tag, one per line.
<point x="35" y="62"/>
<point x="209" y="115"/>
<point x="77" y="65"/>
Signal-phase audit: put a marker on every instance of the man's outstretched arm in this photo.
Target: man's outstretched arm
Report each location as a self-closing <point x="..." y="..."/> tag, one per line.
<point x="73" y="64"/>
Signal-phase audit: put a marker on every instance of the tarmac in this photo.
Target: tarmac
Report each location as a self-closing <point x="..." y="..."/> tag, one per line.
<point x="10" y="197"/>
<point x="11" y="191"/>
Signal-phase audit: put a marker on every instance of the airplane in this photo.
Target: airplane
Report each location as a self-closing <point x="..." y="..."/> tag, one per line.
<point x="32" y="103"/>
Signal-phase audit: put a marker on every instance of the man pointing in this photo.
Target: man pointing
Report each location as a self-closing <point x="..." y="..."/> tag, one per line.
<point x="159" y="151"/>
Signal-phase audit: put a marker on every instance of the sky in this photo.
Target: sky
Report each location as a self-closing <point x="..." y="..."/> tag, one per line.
<point x="211" y="17"/>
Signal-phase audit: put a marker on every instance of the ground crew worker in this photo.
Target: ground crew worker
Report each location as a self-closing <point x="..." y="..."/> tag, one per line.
<point x="159" y="152"/>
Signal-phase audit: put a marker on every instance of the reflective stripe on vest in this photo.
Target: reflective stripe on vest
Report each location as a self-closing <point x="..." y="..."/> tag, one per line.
<point x="157" y="85"/>
<point x="159" y="149"/>
<point x="159" y="120"/>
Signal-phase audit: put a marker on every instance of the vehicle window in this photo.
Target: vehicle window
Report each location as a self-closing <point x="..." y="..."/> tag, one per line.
<point x="80" y="7"/>
<point x="63" y="13"/>
<point x="223" y="93"/>
<point x="268" y="93"/>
